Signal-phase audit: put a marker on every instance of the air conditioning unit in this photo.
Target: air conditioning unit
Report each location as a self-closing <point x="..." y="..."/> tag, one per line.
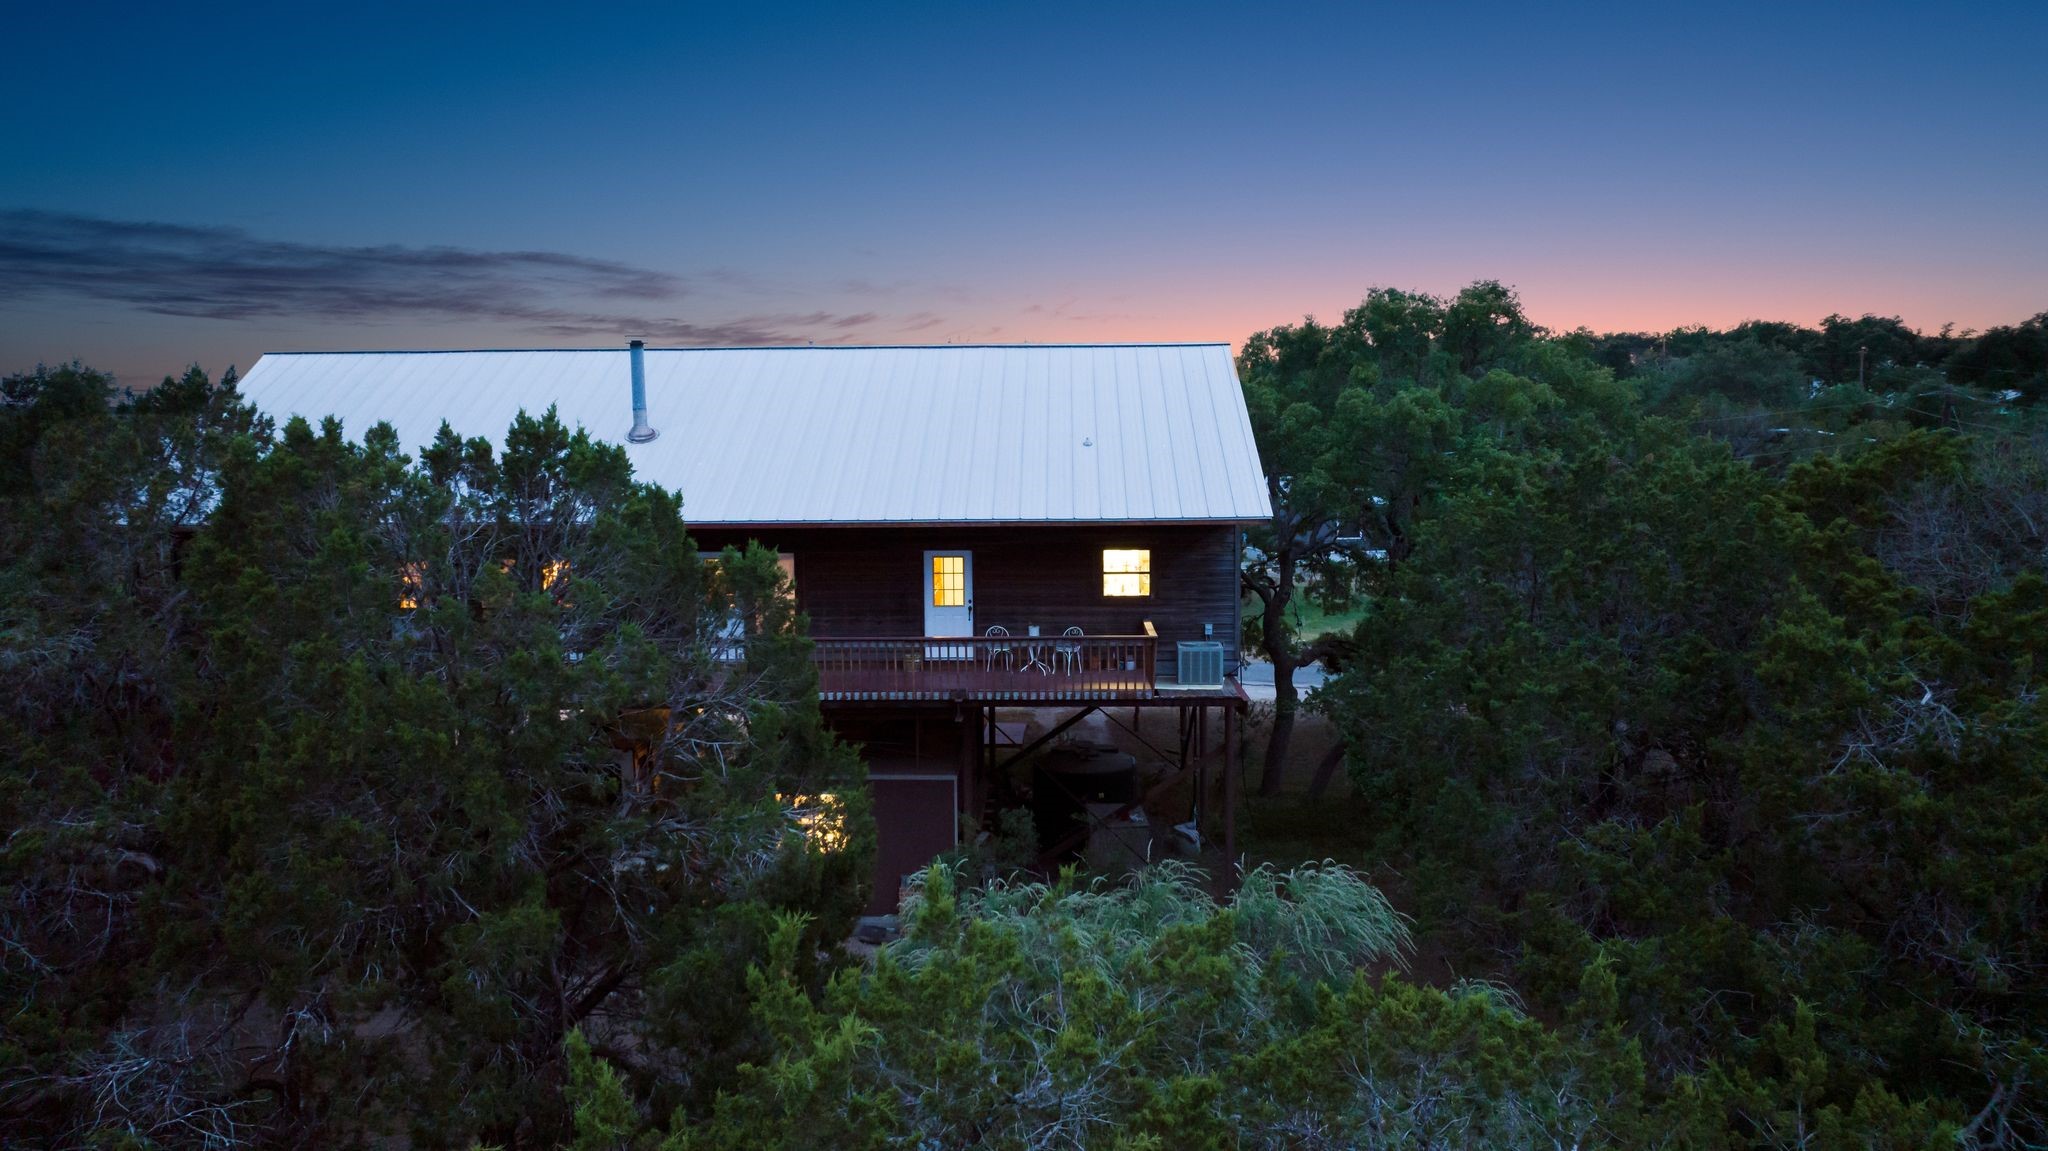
<point x="1201" y="664"/>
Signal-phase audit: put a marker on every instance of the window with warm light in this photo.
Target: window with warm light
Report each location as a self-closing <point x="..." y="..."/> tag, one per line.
<point x="554" y="580"/>
<point x="819" y="819"/>
<point x="412" y="586"/>
<point x="949" y="581"/>
<point x="1126" y="571"/>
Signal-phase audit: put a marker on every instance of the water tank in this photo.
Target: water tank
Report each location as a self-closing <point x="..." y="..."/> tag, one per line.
<point x="1066" y="779"/>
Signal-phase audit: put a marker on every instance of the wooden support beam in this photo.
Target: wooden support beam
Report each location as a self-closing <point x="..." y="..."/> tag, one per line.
<point x="1230" y="777"/>
<point x="970" y="751"/>
<point x="1050" y="734"/>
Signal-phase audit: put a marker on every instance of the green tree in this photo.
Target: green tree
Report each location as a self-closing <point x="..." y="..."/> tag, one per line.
<point x="1147" y="1015"/>
<point x="1641" y="704"/>
<point x="1294" y="379"/>
<point x="380" y="778"/>
<point x="1358" y="427"/>
<point x="2013" y="358"/>
<point x="1742" y="372"/>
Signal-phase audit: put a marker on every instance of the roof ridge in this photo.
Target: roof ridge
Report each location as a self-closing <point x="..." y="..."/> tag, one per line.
<point x="747" y="348"/>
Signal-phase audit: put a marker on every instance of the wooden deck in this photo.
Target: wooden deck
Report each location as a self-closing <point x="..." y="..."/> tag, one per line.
<point x="1012" y="669"/>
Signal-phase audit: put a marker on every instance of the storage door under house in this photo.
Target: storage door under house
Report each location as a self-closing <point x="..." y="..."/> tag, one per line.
<point x="916" y="820"/>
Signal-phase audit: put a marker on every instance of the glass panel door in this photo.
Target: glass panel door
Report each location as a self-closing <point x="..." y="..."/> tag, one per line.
<point x="948" y="600"/>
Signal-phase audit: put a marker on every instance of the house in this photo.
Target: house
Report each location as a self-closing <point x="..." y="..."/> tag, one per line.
<point x="969" y="528"/>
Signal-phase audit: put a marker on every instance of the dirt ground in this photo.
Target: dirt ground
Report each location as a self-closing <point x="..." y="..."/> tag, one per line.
<point x="1284" y="830"/>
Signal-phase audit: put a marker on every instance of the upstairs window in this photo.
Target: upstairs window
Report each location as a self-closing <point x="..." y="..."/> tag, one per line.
<point x="1126" y="571"/>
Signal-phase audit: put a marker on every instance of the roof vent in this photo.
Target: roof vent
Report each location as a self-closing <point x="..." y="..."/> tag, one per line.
<point x="641" y="432"/>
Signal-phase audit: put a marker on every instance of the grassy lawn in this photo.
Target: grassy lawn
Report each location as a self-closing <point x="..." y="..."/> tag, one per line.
<point x="1288" y="829"/>
<point x="1309" y="618"/>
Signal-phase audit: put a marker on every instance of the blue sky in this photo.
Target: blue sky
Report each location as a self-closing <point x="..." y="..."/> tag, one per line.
<point x="208" y="184"/>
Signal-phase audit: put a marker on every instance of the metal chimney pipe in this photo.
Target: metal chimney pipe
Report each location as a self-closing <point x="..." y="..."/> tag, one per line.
<point x="641" y="432"/>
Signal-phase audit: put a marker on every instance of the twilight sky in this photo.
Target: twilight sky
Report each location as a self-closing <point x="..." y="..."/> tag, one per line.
<point x="204" y="183"/>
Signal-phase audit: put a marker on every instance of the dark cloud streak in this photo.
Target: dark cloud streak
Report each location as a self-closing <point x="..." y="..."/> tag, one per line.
<point x="227" y="274"/>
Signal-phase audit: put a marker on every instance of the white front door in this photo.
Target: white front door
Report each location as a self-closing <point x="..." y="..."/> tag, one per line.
<point x="948" y="599"/>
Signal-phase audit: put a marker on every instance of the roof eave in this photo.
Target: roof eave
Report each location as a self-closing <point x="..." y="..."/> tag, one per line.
<point x="1205" y="521"/>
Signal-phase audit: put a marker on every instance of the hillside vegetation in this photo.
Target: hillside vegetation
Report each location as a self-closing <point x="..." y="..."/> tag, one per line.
<point x="1693" y="661"/>
<point x="1689" y="688"/>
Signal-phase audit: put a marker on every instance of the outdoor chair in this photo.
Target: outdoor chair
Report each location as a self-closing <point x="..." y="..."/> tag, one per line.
<point x="990" y="652"/>
<point x="1068" y="650"/>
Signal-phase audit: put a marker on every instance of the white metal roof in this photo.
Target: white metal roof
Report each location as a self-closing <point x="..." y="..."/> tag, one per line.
<point x="844" y="435"/>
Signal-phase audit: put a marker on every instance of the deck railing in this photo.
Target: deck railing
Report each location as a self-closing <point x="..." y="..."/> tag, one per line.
<point x="1052" y="667"/>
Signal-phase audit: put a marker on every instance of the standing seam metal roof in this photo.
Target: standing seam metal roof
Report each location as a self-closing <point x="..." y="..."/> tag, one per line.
<point x="1014" y="433"/>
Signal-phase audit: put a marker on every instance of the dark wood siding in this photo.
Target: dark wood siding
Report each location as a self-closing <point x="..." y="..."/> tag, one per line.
<point x="870" y="581"/>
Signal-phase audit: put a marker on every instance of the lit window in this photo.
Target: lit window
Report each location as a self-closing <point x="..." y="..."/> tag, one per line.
<point x="1126" y="571"/>
<point x="818" y="818"/>
<point x="949" y="581"/>
<point x="412" y="586"/>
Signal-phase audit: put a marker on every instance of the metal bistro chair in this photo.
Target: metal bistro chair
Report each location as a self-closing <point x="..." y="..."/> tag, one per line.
<point x="991" y="651"/>
<point x="1068" y="650"/>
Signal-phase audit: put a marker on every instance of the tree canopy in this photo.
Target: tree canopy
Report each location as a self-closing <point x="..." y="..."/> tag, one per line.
<point x="1704" y="665"/>
<point x="343" y="786"/>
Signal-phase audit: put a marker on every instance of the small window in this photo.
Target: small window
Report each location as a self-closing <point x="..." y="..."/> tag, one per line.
<point x="1126" y="571"/>
<point x="554" y="579"/>
<point x="949" y="581"/>
<point x="412" y="586"/>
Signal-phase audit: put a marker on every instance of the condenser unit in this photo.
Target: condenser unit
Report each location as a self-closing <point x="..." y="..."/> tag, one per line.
<point x="1201" y="664"/>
